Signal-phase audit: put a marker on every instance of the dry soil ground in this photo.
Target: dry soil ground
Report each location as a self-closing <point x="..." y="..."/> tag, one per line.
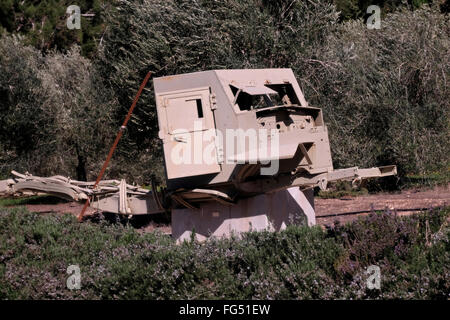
<point x="328" y="211"/>
<point x="406" y="202"/>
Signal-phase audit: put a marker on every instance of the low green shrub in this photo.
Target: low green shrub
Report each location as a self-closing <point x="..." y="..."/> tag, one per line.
<point x="116" y="262"/>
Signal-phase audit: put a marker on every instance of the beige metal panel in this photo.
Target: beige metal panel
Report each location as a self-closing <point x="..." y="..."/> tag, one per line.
<point x="187" y="128"/>
<point x="272" y="212"/>
<point x="135" y="205"/>
<point x="182" y="110"/>
<point x="201" y="195"/>
<point x="184" y="158"/>
<point x="377" y="172"/>
<point x="223" y="114"/>
<point x="257" y="90"/>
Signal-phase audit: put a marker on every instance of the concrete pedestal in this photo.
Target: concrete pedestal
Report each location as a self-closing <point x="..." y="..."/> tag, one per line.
<point x="271" y="211"/>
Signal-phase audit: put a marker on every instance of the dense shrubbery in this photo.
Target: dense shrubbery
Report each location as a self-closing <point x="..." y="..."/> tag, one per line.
<point x="299" y="263"/>
<point x="44" y="23"/>
<point x="55" y="115"/>
<point x="384" y="92"/>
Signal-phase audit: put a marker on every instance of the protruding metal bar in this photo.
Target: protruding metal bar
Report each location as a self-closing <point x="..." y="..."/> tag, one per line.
<point x="119" y="135"/>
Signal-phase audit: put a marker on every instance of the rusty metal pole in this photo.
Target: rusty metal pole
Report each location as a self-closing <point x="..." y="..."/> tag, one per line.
<point x="119" y="135"/>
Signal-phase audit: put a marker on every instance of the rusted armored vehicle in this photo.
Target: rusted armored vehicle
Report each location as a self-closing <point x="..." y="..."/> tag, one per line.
<point x="243" y="151"/>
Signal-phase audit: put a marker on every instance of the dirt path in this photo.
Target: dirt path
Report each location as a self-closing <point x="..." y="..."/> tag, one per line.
<point x="327" y="210"/>
<point x="406" y="202"/>
<point x="63" y="207"/>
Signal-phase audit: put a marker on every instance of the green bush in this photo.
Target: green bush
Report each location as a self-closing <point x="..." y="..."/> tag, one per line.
<point x="384" y="92"/>
<point x="43" y="23"/>
<point x="54" y="112"/>
<point x="116" y="262"/>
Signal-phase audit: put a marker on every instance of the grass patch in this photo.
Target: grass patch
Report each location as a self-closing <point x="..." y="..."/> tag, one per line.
<point x="387" y="184"/>
<point x="431" y="179"/>
<point x="340" y="189"/>
<point x="43" y="199"/>
<point x="116" y="262"/>
<point x="336" y="194"/>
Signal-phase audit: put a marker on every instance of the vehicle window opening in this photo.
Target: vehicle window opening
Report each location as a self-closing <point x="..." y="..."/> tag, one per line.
<point x="199" y="107"/>
<point x="285" y="96"/>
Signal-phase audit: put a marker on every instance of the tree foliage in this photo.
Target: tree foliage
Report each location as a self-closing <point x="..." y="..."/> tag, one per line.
<point x="44" y="23"/>
<point x="385" y="92"/>
<point x="54" y="112"/>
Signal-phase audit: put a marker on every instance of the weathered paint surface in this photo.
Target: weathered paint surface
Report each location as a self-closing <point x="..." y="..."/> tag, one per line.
<point x="272" y="211"/>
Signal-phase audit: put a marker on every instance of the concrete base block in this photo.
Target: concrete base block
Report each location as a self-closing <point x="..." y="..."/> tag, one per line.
<point x="272" y="211"/>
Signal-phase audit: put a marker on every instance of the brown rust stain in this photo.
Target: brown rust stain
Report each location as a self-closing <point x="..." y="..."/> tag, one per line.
<point x="168" y="78"/>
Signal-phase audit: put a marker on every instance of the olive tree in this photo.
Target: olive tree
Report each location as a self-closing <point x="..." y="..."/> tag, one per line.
<point x="56" y="115"/>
